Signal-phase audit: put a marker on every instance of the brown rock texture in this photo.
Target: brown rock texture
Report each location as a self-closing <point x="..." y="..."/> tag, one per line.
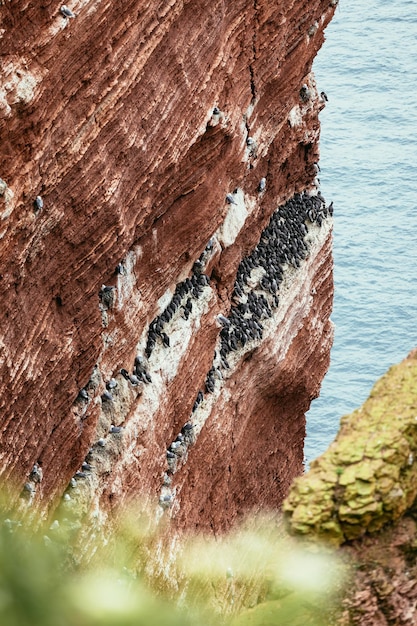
<point x="384" y="589"/>
<point x="384" y="583"/>
<point x="367" y="477"/>
<point x="361" y="495"/>
<point x="132" y="122"/>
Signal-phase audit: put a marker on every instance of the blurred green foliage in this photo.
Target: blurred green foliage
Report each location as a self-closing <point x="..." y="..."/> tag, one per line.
<point x="138" y="576"/>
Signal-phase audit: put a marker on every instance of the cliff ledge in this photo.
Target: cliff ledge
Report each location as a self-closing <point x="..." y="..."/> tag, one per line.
<point x="166" y="270"/>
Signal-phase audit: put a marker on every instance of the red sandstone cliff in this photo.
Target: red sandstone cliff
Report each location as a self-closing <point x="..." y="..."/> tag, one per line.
<point x="131" y="122"/>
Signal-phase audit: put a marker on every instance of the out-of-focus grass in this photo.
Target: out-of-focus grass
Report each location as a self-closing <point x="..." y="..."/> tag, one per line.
<point x="140" y="577"/>
<point x="255" y="575"/>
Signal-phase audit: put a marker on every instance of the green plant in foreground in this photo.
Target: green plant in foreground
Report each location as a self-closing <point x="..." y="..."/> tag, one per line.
<point x="257" y="576"/>
<point x="249" y="577"/>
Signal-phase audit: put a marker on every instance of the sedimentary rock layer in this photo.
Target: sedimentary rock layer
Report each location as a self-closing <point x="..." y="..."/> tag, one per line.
<point x="367" y="478"/>
<point x="155" y="137"/>
<point x="362" y="493"/>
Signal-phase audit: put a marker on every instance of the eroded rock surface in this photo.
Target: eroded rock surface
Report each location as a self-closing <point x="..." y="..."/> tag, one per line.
<point x="362" y="493"/>
<point x="144" y="148"/>
<point x="368" y="476"/>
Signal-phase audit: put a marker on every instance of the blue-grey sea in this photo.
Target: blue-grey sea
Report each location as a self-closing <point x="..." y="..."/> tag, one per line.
<point x="368" y="69"/>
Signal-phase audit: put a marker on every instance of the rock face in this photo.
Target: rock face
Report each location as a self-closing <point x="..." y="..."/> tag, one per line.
<point x="368" y="476"/>
<point x="362" y="493"/>
<point x="384" y="589"/>
<point x="145" y="148"/>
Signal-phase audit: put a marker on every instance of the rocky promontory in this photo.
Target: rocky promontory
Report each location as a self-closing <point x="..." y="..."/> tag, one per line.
<point x="361" y="495"/>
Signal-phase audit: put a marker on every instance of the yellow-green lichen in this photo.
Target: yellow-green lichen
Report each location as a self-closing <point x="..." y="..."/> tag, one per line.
<point x="368" y="476"/>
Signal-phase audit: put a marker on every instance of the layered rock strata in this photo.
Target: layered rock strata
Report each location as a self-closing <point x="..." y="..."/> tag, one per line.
<point x="367" y="478"/>
<point x="361" y="495"/>
<point x="166" y="254"/>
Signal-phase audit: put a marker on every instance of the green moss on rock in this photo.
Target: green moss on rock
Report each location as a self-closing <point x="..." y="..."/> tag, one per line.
<point x="368" y="476"/>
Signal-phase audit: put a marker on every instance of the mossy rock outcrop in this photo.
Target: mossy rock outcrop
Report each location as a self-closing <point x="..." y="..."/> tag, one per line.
<point x="368" y="476"/>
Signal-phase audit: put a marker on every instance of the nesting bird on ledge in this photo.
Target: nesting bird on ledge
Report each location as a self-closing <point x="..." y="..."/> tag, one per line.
<point x="305" y="94"/>
<point x="107" y="295"/>
<point x="66" y="12"/>
<point x="38" y="204"/>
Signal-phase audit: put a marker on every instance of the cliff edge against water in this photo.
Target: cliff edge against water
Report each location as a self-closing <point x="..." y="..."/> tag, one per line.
<point x="361" y="495"/>
<point x="166" y="269"/>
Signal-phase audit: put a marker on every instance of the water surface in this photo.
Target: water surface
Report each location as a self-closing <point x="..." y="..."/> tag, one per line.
<point x="368" y="68"/>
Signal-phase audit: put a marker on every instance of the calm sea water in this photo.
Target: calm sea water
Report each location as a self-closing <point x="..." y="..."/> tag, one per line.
<point x="368" y="68"/>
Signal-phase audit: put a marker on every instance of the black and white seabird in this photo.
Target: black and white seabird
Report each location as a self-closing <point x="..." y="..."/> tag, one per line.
<point x="36" y="474"/>
<point x="146" y="377"/>
<point x="166" y="501"/>
<point x="134" y="379"/>
<point x="83" y="395"/>
<point x="38" y="204"/>
<point x="305" y="93"/>
<point x="167" y="479"/>
<point x="198" y="267"/>
<point x="107" y="295"/>
<point x="107" y="288"/>
<point x="66" y="12"/>
<point x="165" y="340"/>
<point x="223" y="321"/>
